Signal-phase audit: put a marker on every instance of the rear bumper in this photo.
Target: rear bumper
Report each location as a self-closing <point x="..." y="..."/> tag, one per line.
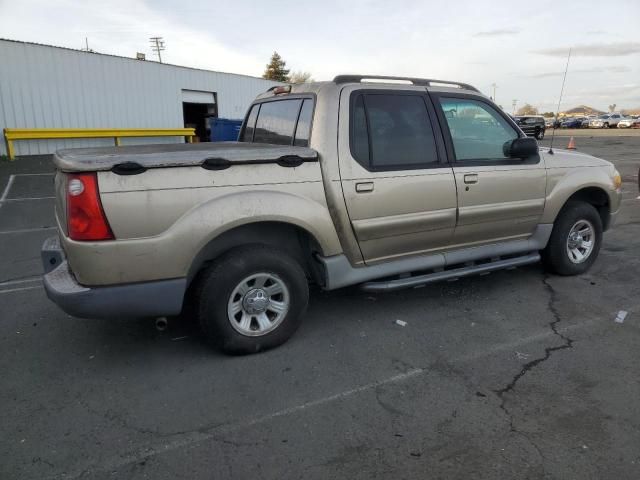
<point x="145" y="299"/>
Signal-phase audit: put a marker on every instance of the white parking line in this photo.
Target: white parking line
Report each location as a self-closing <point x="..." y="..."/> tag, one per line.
<point x="19" y="289"/>
<point x="32" y="174"/>
<point x="27" y="199"/>
<point x="8" y="283"/>
<point x="195" y="437"/>
<point x="26" y="230"/>
<point x="5" y="192"/>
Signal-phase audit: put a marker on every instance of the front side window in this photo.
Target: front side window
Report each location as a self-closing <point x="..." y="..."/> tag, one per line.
<point x="391" y="132"/>
<point x="478" y="131"/>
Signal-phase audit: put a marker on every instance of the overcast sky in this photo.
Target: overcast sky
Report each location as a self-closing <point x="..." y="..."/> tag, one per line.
<point x="521" y="46"/>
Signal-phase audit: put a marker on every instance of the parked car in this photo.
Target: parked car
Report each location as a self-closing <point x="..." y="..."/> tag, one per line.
<point x="608" y="120"/>
<point x="587" y="119"/>
<point x="572" y="123"/>
<point x="337" y="183"/>
<point x="532" y="125"/>
<point x="548" y="122"/>
<point x="629" y="123"/>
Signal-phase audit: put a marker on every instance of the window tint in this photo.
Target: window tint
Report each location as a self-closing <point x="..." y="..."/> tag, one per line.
<point x="392" y="132"/>
<point x="478" y="131"/>
<point x="247" y="135"/>
<point x="303" y="129"/>
<point x="276" y="122"/>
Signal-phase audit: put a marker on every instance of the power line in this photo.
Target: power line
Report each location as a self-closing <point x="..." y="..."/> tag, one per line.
<point x="157" y="45"/>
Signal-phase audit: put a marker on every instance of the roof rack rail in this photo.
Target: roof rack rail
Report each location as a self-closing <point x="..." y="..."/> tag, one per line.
<point x="424" y="82"/>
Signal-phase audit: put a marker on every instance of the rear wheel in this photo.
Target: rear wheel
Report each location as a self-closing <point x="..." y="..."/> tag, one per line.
<point x="539" y="134"/>
<point x="575" y="240"/>
<point x="252" y="299"/>
<point x="606" y="125"/>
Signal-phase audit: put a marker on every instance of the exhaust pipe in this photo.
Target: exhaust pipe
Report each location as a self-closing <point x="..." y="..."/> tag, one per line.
<point x="161" y="324"/>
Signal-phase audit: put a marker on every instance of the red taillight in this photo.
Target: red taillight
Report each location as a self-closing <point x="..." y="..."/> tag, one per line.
<point x="85" y="217"/>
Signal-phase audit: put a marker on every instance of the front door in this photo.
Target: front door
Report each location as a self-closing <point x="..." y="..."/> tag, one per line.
<point x="499" y="198"/>
<point x="398" y="186"/>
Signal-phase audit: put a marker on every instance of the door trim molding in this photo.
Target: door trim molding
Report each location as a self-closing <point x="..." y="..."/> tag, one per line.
<point x="381" y="227"/>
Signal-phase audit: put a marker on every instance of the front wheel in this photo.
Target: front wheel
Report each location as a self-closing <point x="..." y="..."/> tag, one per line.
<point x="575" y="240"/>
<point x="540" y="134"/>
<point x="252" y="299"/>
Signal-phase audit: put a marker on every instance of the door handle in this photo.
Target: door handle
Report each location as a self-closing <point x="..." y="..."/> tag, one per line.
<point x="364" y="187"/>
<point x="471" y="178"/>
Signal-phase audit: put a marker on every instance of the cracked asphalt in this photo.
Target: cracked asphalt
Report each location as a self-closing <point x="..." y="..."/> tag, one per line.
<point x="513" y="375"/>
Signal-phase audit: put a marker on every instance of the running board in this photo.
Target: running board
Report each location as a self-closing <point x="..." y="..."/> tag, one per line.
<point x="452" y="274"/>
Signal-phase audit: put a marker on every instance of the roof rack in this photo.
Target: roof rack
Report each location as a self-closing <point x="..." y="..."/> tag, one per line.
<point x="423" y="82"/>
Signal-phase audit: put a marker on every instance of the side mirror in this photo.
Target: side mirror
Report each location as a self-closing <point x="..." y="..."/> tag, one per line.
<point x="520" y="148"/>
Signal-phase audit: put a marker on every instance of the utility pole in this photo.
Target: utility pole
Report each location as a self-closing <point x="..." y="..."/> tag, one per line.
<point x="157" y="45"/>
<point x="514" y="102"/>
<point x="494" y="86"/>
<point x="86" y="45"/>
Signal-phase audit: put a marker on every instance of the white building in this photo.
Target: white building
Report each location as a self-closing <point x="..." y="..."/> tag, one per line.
<point x="51" y="87"/>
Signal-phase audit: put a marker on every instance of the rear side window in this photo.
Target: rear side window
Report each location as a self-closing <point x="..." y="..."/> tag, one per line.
<point x="392" y="132"/>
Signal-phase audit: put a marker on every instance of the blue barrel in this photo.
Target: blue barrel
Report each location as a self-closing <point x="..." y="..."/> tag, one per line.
<point x="224" y="129"/>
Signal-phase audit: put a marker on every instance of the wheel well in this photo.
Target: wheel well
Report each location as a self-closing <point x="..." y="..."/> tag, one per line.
<point x="596" y="197"/>
<point x="292" y="239"/>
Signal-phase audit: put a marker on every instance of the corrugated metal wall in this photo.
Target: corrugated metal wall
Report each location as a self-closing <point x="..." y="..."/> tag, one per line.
<point x="50" y="87"/>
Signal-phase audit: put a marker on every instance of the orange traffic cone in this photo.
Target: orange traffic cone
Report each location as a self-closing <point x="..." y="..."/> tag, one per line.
<point x="572" y="144"/>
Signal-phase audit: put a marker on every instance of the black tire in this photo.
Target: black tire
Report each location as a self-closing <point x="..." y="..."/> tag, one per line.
<point x="540" y="134"/>
<point x="219" y="281"/>
<point x="556" y="257"/>
<point x="606" y="125"/>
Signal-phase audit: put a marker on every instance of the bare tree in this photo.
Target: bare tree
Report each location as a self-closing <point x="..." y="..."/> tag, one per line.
<point x="527" y="109"/>
<point x="300" y="77"/>
<point x="612" y="108"/>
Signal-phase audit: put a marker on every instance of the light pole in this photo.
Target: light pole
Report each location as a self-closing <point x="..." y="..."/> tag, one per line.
<point x="514" y="102"/>
<point x="494" y="86"/>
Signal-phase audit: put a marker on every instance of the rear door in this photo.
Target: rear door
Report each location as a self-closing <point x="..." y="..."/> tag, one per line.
<point x="398" y="186"/>
<point x="499" y="198"/>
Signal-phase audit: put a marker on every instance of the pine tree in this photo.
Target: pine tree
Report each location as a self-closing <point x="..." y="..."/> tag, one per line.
<point x="276" y="69"/>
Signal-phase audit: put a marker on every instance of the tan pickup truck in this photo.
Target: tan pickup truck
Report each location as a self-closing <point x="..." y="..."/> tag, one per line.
<point x="375" y="181"/>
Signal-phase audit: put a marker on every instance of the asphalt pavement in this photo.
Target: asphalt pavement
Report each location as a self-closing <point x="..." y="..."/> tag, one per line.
<point x="512" y="375"/>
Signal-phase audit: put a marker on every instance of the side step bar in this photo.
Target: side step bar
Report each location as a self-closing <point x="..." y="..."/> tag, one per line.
<point x="453" y="274"/>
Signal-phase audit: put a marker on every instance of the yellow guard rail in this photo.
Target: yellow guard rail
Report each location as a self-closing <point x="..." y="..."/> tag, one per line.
<point x="13" y="134"/>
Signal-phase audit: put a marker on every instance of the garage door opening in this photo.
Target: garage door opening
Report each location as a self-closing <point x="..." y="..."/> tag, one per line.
<point x="197" y="108"/>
